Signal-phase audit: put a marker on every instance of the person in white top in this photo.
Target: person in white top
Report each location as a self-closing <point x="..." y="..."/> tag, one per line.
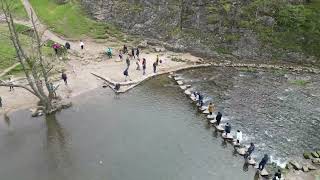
<point x="81" y="44"/>
<point x="239" y="136"/>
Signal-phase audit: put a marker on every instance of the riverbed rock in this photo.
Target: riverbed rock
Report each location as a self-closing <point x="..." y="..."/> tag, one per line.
<point x="143" y="44"/>
<point x="241" y="151"/>
<point x="213" y="121"/>
<point x="264" y="172"/>
<point x="187" y="92"/>
<point x="37" y="113"/>
<point x="219" y="128"/>
<point x="210" y="116"/>
<point x="295" y="165"/>
<point x="252" y="162"/>
<point x="227" y="137"/>
<point x="307" y="155"/>
<point x="289" y="166"/>
<point x="311" y="167"/>
<point x="316" y="161"/>
<point x="178" y="78"/>
<point x="180" y="82"/>
<point x="315" y="154"/>
<point x="305" y="169"/>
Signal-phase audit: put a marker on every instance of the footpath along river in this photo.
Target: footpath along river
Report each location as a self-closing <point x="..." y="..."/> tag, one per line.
<point x="152" y="132"/>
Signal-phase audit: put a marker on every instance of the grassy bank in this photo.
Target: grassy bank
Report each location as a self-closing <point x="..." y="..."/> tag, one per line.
<point x="18" y="10"/>
<point x="70" y="20"/>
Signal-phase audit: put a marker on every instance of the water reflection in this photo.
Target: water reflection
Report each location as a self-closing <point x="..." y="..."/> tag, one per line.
<point x="57" y="149"/>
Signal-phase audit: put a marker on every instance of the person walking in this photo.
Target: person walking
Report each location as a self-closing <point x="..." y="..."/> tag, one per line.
<point x="128" y="62"/>
<point x="249" y="151"/>
<point x="154" y="67"/>
<point x="157" y="60"/>
<point x="263" y="162"/>
<point x="137" y="52"/>
<point x="55" y="47"/>
<point x="239" y="136"/>
<point x="11" y="88"/>
<point x="126" y="74"/>
<point x="65" y="78"/>
<point x="81" y="44"/>
<point x="227" y="129"/>
<point x="132" y="53"/>
<point x="277" y="175"/>
<point x="144" y="66"/>
<point x="0" y="102"/>
<point x="211" y="108"/>
<point x="125" y="49"/>
<point x="218" y="118"/>
<point x="138" y="64"/>
<point x="67" y="45"/>
<point x="120" y="55"/>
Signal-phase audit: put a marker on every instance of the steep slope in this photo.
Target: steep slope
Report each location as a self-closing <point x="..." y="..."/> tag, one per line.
<point x="247" y="29"/>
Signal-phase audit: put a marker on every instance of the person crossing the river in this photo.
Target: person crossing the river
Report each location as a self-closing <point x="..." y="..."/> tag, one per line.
<point x="263" y="162"/>
<point x="144" y="66"/>
<point x="128" y="62"/>
<point x="227" y="129"/>
<point x="132" y="53"/>
<point x="137" y="52"/>
<point x="81" y="44"/>
<point x="218" y="118"/>
<point x="277" y="175"/>
<point x="249" y="151"/>
<point x="125" y="49"/>
<point x="239" y="136"/>
<point x="211" y="108"/>
<point x="200" y="100"/>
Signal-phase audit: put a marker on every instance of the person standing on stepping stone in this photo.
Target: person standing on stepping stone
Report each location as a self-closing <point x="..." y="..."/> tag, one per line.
<point x="218" y="118"/>
<point x="227" y="129"/>
<point x="239" y="136"/>
<point x="211" y="108"/>
<point x="249" y="151"/>
<point x="263" y="162"/>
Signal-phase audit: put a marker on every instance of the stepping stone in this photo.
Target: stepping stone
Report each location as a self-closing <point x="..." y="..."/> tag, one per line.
<point x="235" y="144"/>
<point x="229" y="136"/>
<point x="213" y="121"/>
<point x="310" y="167"/>
<point x="187" y="92"/>
<point x="210" y="116"/>
<point x="242" y="151"/>
<point x="219" y="128"/>
<point x="180" y="82"/>
<point x="206" y="112"/>
<point x="177" y="78"/>
<point x="252" y="162"/>
<point x="193" y="98"/>
<point x="203" y="108"/>
<point x="184" y="87"/>
<point x="264" y="172"/>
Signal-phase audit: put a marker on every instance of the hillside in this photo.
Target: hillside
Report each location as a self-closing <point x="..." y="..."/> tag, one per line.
<point x="266" y="30"/>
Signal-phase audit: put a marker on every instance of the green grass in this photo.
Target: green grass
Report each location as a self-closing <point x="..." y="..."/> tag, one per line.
<point x="18" y="10"/>
<point x="300" y="82"/>
<point x="71" y="21"/>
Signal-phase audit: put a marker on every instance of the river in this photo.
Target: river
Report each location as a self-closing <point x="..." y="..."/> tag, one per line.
<point x="275" y="109"/>
<point x="152" y="132"/>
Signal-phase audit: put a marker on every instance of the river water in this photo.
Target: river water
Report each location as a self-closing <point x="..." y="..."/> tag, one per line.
<point x="277" y="110"/>
<point x="152" y="132"/>
<point x="155" y="132"/>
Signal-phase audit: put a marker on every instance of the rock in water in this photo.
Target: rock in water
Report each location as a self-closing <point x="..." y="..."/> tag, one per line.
<point x="241" y="151"/>
<point x="311" y="168"/>
<point x="252" y="162"/>
<point x="296" y="165"/>
<point x="203" y="108"/>
<point x="180" y="82"/>
<point x="315" y="154"/>
<point x="206" y="112"/>
<point x="307" y="155"/>
<point x="219" y="128"/>
<point x="305" y="169"/>
<point x="228" y="136"/>
<point x="187" y="92"/>
<point x="210" y="116"/>
<point x="264" y="172"/>
<point x="213" y="121"/>
<point x="184" y="87"/>
<point x="177" y="78"/>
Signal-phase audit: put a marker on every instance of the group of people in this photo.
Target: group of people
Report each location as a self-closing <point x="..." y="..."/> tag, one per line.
<point x="237" y="142"/>
<point x="135" y="55"/>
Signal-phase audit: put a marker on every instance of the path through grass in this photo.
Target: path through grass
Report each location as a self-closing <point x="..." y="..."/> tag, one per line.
<point x="71" y="21"/>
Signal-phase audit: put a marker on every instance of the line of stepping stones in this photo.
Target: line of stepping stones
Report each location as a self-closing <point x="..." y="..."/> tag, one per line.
<point x="314" y="156"/>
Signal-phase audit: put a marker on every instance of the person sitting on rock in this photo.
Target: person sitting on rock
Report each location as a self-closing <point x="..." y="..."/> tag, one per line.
<point x="210" y="108"/>
<point x="277" y="175"/>
<point x="218" y="118"/>
<point x="249" y="151"/>
<point x="227" y="129"/>
<point x="263" y="162"/>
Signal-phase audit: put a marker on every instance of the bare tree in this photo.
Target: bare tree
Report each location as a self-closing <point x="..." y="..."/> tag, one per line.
<point x="35" y="68"/>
